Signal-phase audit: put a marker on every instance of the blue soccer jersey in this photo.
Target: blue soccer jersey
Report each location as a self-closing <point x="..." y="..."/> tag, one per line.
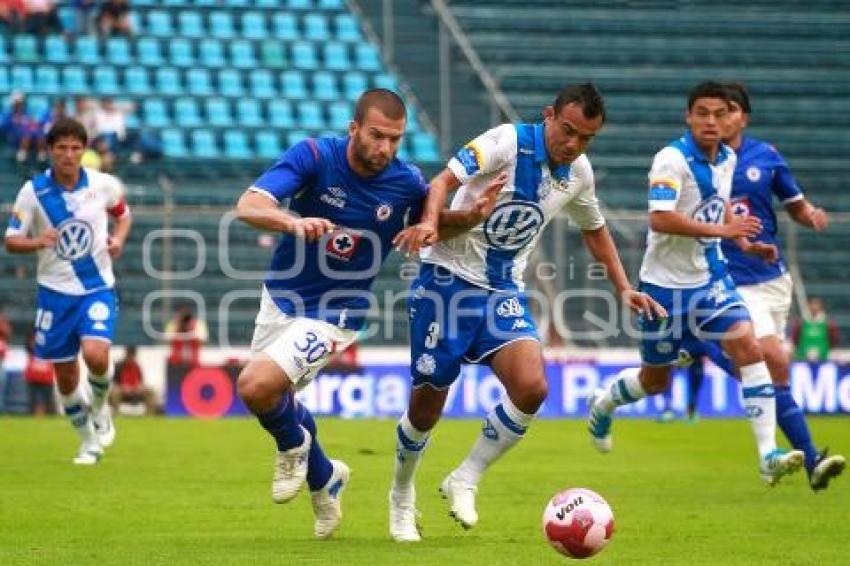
<point x="761" y="173"/>
<point x="330" y="279"/>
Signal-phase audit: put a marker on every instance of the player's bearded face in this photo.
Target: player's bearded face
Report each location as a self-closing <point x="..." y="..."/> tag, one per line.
<point x="569" y="132"/>
<point x="708" y="119"/>
<point x="376" y="141"/>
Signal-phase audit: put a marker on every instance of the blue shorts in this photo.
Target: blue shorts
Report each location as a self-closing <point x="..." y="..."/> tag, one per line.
<point x="452" y="320"/>
<point x="701" y="313"/>
<point x="61" y="321"/>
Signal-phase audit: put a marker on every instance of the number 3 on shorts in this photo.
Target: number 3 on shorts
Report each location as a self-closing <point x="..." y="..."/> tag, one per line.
<point x="433" y="335"/>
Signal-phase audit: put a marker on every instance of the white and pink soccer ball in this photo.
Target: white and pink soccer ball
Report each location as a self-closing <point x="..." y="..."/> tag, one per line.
<point x="578" y="522"/>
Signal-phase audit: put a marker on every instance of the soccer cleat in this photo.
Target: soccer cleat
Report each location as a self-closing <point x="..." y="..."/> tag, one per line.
<point x="104" y="428"/>
<point x="461" y="497"/>
<point x="90" y="453"/>
<point x="599" y="423"/>
<point x="780" y="462"/>
<point x="667" y="416"/>
<point x="404" y="524"/>
<point x="326" y="501"/>
<point x="826" y="468"/>
<point x="290" y="471"/>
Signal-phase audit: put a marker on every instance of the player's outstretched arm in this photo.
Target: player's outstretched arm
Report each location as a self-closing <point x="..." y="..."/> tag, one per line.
<point x="259" y="211"/>
<point x="805" y="213"/>
<point x="425" y="232"/>
<point x="456" y="222"/>
<point x="670" y="222"/>
<point x="25" y="245"/>
<point x="601" y="246"/>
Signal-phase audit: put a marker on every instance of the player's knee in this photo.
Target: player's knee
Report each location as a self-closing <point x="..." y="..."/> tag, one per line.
<point x="251" y="387"/>
<point x="96" y="358"/>
<point x="532" y="396"/>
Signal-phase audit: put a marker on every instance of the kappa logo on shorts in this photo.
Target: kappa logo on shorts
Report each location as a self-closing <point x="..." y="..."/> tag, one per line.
<point x="426" y="364"/>
<point x="520" y="324"/>
<point x="510" y="308"/>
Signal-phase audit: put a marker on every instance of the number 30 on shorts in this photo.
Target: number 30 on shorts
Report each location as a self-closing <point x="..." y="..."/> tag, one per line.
<point x="313" y="348"/>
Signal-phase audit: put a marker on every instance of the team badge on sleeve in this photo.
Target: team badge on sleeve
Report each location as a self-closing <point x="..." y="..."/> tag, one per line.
<point x="663" y="189"/>
<point x="470" y="157"/>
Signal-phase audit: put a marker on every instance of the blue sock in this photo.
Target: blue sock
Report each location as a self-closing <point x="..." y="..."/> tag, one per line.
<point x="715" y="353"/>
<point x="319" y="467"/>
<point x="792" y="421"/>
<point x="283" y="424"/>
<point x="667" y="395"/>
<point x="696" y="375"/>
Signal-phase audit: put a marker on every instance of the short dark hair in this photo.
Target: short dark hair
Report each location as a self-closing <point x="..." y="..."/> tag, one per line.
<point x="586" y="96"/>
<point x="739" y="95"/>
<point x="707" y="89"/>
<point x="67" y="127"/>
<point x="386" y="101"/>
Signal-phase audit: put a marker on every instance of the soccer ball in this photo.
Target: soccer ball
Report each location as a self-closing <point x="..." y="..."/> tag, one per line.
<point x="578" y="522"/>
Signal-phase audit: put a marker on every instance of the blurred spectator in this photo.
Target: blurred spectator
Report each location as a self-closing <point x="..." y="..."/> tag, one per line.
<point x="815" y="335"/>
<point x="129" y="387"/>
<point x="13" y="13"/>
<point x="186" y="333"/>
<point x="114" y="18"/>
<point x="57" y="111"/>
<point x="84" y="16"/>
<point x="39" y="376"/>
<point x="112" y="136"/>
<point x="85" y="111"/>
<point x="18" y="127"/>
<point x="5" y="336"/>
<point x="42" y="17"/>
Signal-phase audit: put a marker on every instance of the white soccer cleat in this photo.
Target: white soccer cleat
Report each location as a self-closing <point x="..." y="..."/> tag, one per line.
<point x="104" y="427"/>
<point x="90" y="453"/>
<point x="290" y="471"/>
<point x="780" y="462"/>
<point x="326" y="501"/>
<point x="599" y="423"/>
<point x="461" y="497"/>
<point x="404" y="526"/>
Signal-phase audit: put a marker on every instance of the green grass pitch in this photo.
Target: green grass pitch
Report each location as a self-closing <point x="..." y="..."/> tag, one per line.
<point x="193" y="492"/>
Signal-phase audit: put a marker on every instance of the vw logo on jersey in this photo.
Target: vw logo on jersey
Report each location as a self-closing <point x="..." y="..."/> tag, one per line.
<point x="753" y="174"/>
<point x="512" y="225"/>
<point x="710" y="211"/>
<point x="75" y="239"/>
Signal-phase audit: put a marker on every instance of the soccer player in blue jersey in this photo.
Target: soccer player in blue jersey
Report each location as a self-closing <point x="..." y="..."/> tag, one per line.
<point x="63" y="216"/>
<point x="683" y="268"/>
<point x="468" y="302"/>
<point x="760" y="175"/>
<point x="350" y="201"/>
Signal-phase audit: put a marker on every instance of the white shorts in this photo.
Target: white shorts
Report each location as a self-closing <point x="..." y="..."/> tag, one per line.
<point x="300" y="346"/>
<point x="769" y="304"/>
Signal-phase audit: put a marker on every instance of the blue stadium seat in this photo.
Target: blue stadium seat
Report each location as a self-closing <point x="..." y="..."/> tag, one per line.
<point x="296" y="136"/>
<point x="425" y="148"/>
<point x="331" y="4"/>
<point x="159" y="24"/>
<point x="206" y="3"/>
<point x="168" y="81"/>
<point x="191" y="24"/>
<point x="67" y="17"/>
<point x="148" y="52"/>
<point x="47" y="79"/>
<point x="268" y="3"/>
<point x="88" y="50"/>
<point x="106" y="81"/>
<point x="55" y="49"/>
<point x="173" y="143"/>
<point x="118" y="51"/>
<point x="268" y="145"/>
<point x="324" y="86"/>
<point x="316" y="27"/>
<point x="304" y="56"/>
<point x="367" y="57"/>
<point x="253" y="25"/>
<point x="310" y="115"/>
<point x="24" y="49"/>
<point x="336" y="56"/>
<point x="285" y="26"/>
<point x="230" y="83"/>
<point x="186" y="114"/>
<point x="237" y="3"/>
<point x="177" y="3"/>
<point x="347" y="29"/>
<point x="221" y="25"/>
<point x="299" y="4"/>
<point x="262" y="84"/>
<point x="236" y="145"/>
<point x="218" y="112"/>
<point x="272" y="54"/>
<point x="355" y="84"/>
<point x="74" y="80"/>
<point x="144" y="2"/>
<point x="280" y="114"/>
<point x="292" y="85"/>
<point x="155" y="114"/>
<point x="136" y="81"/>
<point x="203" y="144"/>
<point x="242" y="54"/>
<point x="37" y="105"/>
<point x="413" y="125"/>
<point x="248" y="113"/>
<point x="3" y="55"/>
<point x="180" y="53"/>
<point x="4" y="79"/>
<point x="340" y="115"/>
<point x="384" y="80"/>
<point x="198" y="82"/>
<point x="211" y="53"/>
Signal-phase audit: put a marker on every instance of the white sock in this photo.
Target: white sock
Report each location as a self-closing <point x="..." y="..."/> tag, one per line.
<point x="504" y="426"/>
<point x="760" y="405"/>
<point x="78" y="412"/>
<point x="624" y="390"/>
<point x="410" y="443"/>
<point x="100" y="385"/>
